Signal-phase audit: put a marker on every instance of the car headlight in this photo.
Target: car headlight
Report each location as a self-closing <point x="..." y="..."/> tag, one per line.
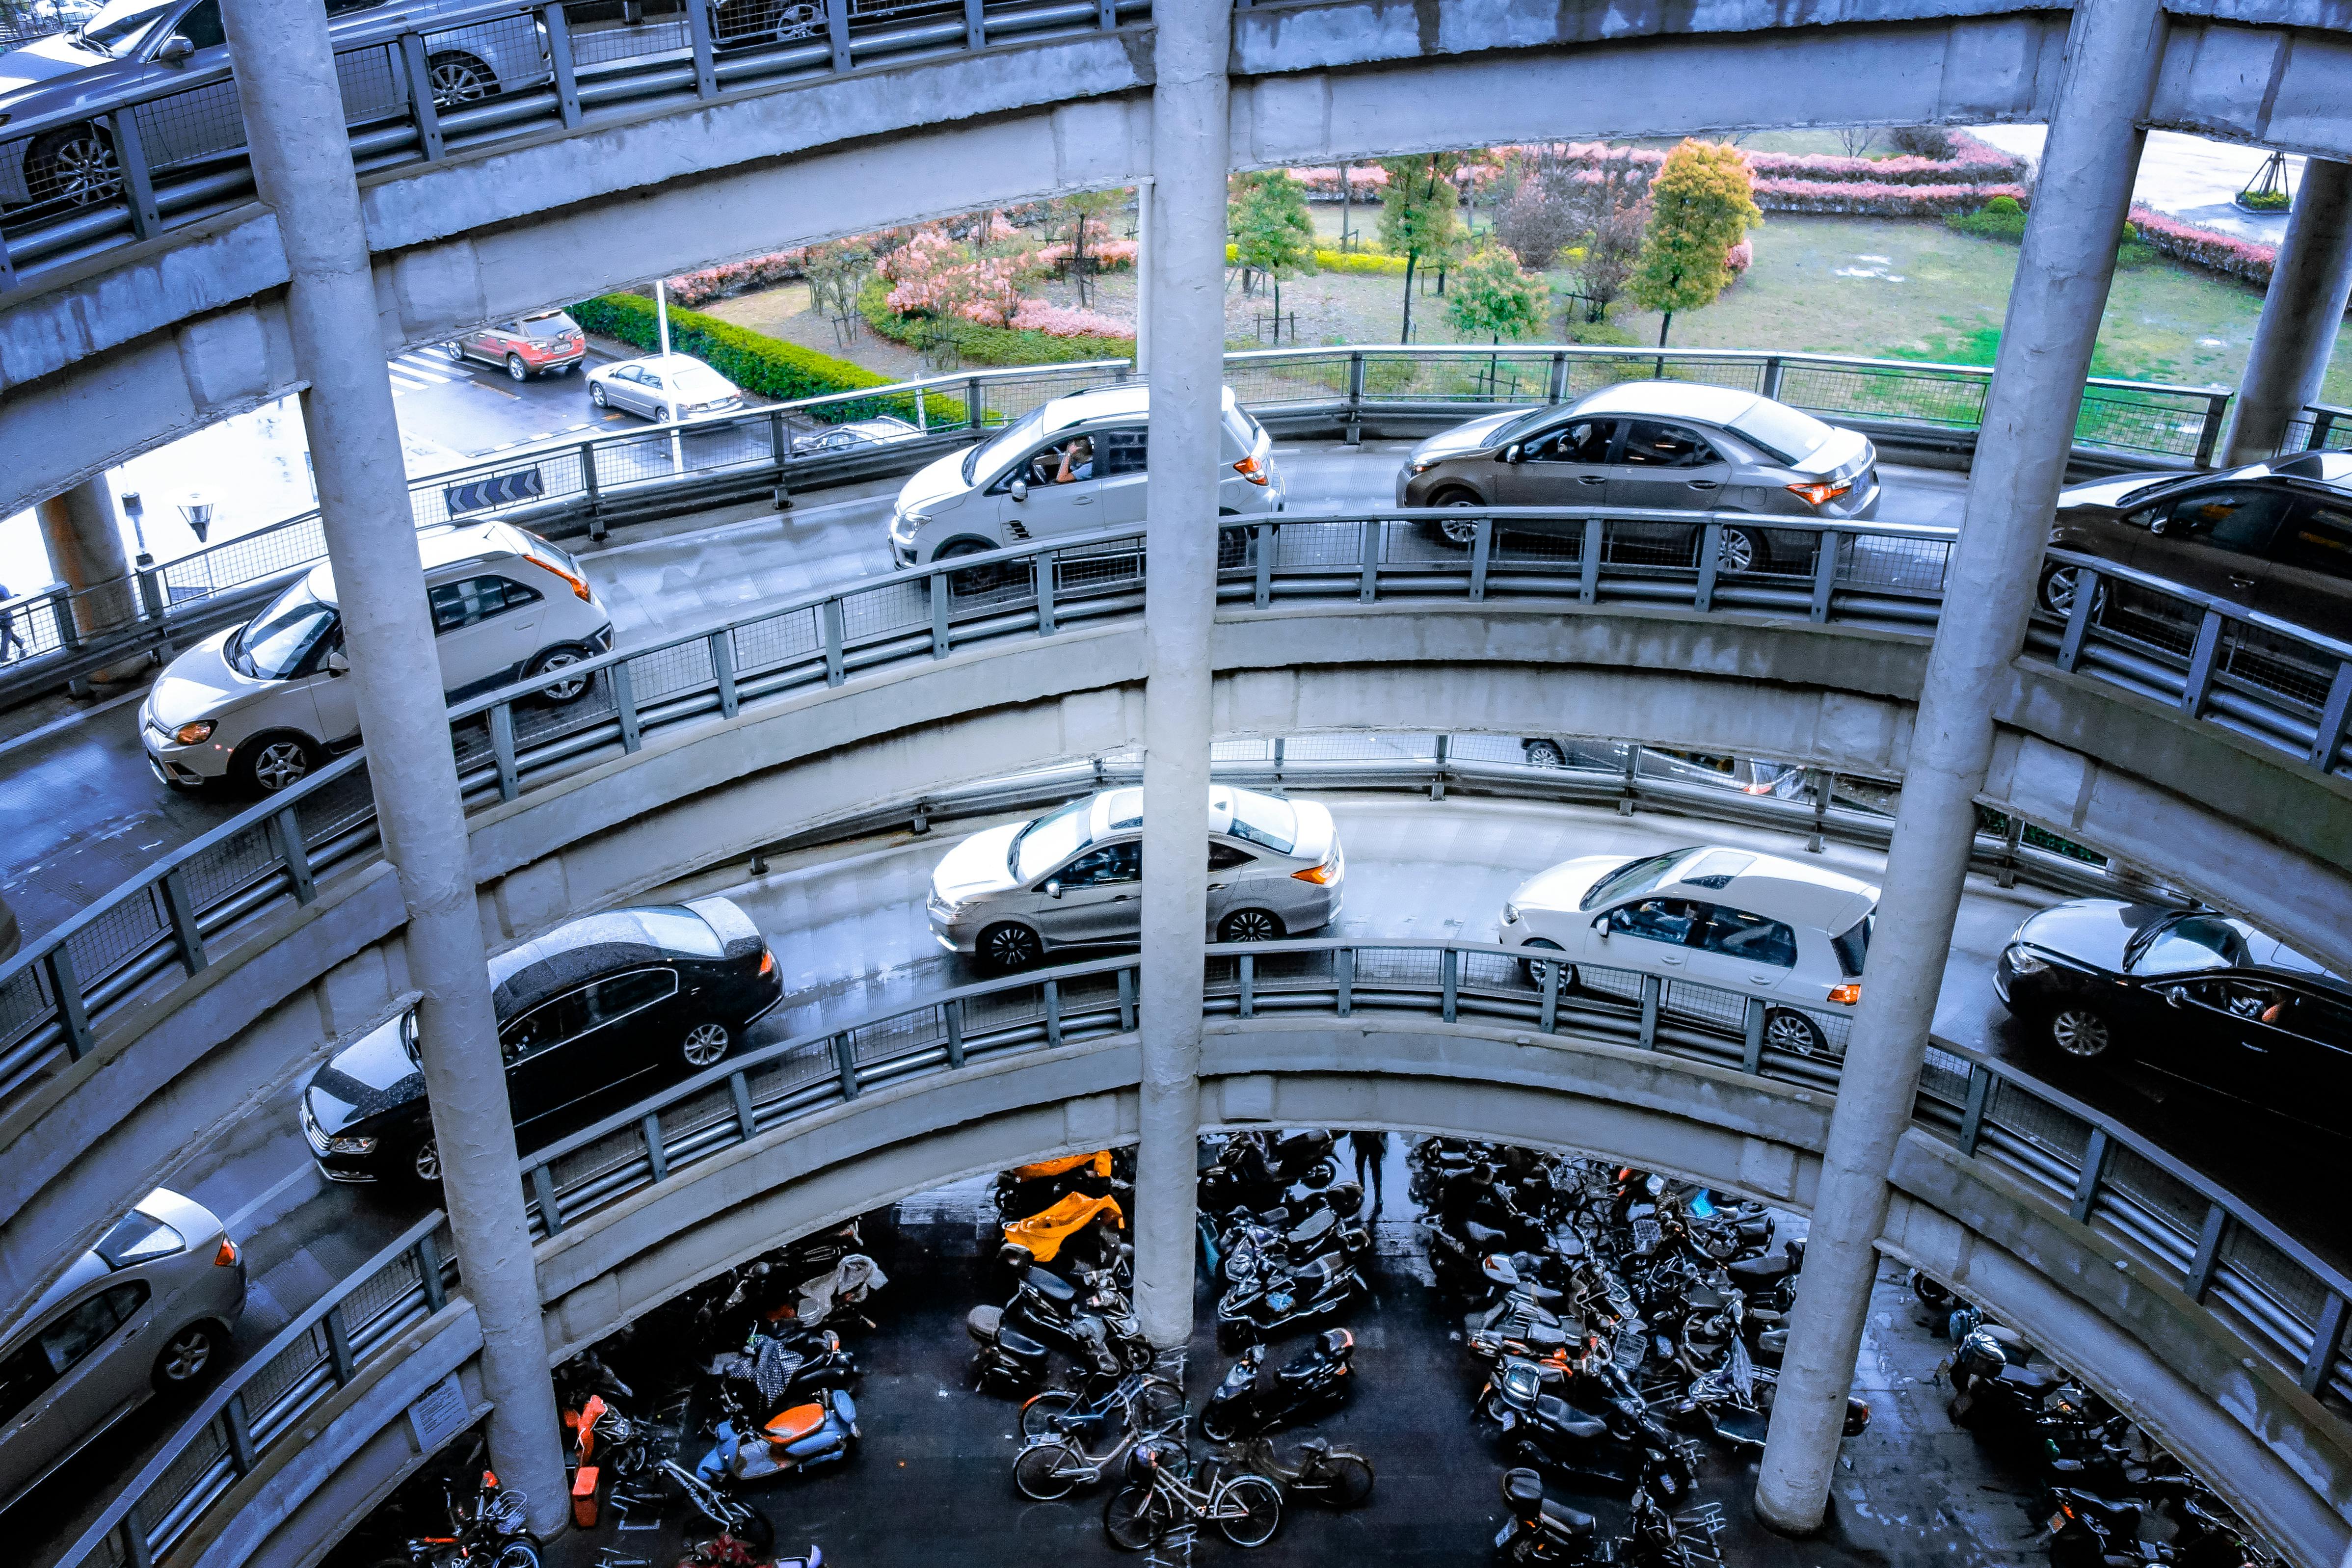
<point x="193" y="734"/>
<point x="1510" y="915"/>
<point x="2023" y="960"/>
<point x="350" y="1145"/>
<point x="1419" y="466"/>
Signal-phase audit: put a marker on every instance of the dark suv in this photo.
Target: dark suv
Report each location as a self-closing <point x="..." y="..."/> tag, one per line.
<point x="2192" y="993"/>
<point x="2272" y="537"/>
<point x="583" y="1009"/>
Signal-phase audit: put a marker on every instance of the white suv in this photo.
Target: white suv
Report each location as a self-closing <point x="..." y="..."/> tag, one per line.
<point x="1070" y="467"/>
<point x="265" y="703"/>
<point x="1790" y="934"/>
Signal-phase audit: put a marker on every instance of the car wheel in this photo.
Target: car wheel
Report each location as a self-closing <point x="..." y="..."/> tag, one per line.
<point x="596" y="394"/>
<point x="1544" y="753"/>
<point x="706" y="1044"/>
<point x="458" y="77"/>
<point x="516" y="370"/>
<point x="75" y="165"/>
<point x="1233" y="543"/>
<point x="188" y="1358"/>
<point x="423" y="1165"/>
<point x="1794" y="1033"/>
<point x="2057" y="589"/>
<point x="2080" y="1032"/>
<point x="1741" y="549"/>
<point x="455" y="350"/>
<point x="1463" y="533"/>
<point x="978" y="580"/>
<point x="1535" y="966"/>
<point x="1010" y="946"/>
<point x="269" y="763"/>
<point x="566" y="688"/>
<point x="1250" y="926"/>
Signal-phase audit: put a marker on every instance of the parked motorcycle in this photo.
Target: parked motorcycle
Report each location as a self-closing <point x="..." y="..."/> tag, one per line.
<point x="1252" y="1171"/>
<point x="1044" y="1232"/>
<point x="1991" y="1398"/>
<point x="1325" y="1289"/>
<point x="1541" y="1530"/>
<point x="771" y="1370"/>
<point x="486" y="1531"/>
<point x="1025" y="1189"/>
<point x="1622" y="1446"/>
<point x="1333" y="1477"/>
<point x="1007" y="1360"/>
<point x="1247" y="1404"/>
<point x="798" y="1439"/>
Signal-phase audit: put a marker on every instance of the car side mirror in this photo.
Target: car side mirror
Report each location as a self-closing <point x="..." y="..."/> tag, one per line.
<point x="337" y="664"/>
<point x="1511" y="453"/>
<point x="2159" y="524"/>
<point x="175" y="50"/>
<point x="1053" y="890"/>
<point x="1019" y="490"/>
<point x="1601" y="926"/>
<point x="2177" y="995"/>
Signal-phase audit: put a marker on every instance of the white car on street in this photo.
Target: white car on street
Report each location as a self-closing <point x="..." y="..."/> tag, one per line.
<point x="265" y="703"/>
<point x="667" y="387"/>
<point x="1790" y="934"/>
<point x="1069" y="466"/>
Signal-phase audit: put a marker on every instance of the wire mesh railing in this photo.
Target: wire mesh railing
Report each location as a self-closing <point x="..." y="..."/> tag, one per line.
<point x="155" y="932"/>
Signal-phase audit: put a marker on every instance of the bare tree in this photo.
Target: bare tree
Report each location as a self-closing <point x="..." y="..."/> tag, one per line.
<point x="1856" y="139"/>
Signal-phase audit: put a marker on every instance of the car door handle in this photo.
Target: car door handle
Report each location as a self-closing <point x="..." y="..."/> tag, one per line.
<point x="1670" y="958"/>
<point x="1082" y="500"/>
<point x="1592" y="478"/>
<point x="1219" y="886"/>
<point x="1121" y="897"/>
<point x="2237" y="582"/>
<point x="1704" y="485"/>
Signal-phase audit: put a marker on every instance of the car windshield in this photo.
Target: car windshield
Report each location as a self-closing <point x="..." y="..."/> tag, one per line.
<point x="1524" y="425"/>
<point x="1852" y="945"/>
<point x="275" y="643"/>
<point x="554" y="324"/>
<point x="1010" y="443"/>
<point x="1634" y="876"/>
<point x="1050" y="840"/>
<point x="1263" y="819"/>
<point x="1782" y="432"/>
<point x="135" y="1238"/>
<point x="2182" y="943"/>
<point x="117" y="28"/>
<point x="680" y="929"/>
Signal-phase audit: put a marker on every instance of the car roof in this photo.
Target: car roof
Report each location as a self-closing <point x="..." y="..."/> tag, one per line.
<point x="664" y="361"/>
<point x="191" y="1219"/>
<point x="2332" y="469"/>
<point x="1120" y="400"/>
<point x="1681" y="400"/>
<point x="1777" y="889"/>
<point x="442" y="546"/>
<point x="521" y="977"/>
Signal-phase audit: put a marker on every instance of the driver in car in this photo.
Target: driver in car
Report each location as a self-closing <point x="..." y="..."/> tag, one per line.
<point x="1077" y="461"/>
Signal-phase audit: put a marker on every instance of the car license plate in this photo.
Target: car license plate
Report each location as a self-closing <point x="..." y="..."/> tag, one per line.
<point x="1503" y="1536"/>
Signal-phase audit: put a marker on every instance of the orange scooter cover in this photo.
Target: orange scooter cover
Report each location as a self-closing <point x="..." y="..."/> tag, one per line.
<point x="1044" y="1232"/>
<point x="796" y="1423"/>
<point x="1100" y="1159"/>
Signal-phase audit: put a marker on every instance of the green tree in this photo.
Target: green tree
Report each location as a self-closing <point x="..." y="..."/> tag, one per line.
<point x="1494" y="297"/>
<point x="1273" y="233"/>
<point x="1701" y="203"/>
<point x="1420" y="217"/>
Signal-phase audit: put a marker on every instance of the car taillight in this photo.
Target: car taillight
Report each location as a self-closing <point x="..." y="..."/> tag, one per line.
<point x="578" y="585"/>
<point x="766" y="961"/>
<point x="1256" y="472"/>
<point x="1848" y="993"/>
<point x="1821" y="492"/>
<point x="226" y="1256"/>
<point x="1322" y="876"/>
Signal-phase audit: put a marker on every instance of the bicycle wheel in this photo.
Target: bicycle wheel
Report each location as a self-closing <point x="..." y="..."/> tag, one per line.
<point x="518" y="1554"/>
<point x="1352" y="1480"/>
<point x="1045" y="1471"/>
<point x="1156" y="1403"/>
<point x="1038" y="1415"/>
<point x="1249" y="1510"/>
<point x="1133" y="1518"/>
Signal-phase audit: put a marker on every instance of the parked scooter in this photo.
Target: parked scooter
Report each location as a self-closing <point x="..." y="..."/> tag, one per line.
<point x="798" y="1439"/>
<point x="1334" y="1476"/>
<point x="1007" y="1360"/>
<point x="1624" y="1447"/>
<point x="1325" y="1289"/>
<point x="1990" y="1396"/>
<point x="1542" y="1531"/>
<point x="769" y="1370"/>
<point x="1253" y="1172"/>
<point x="1026" y="1190"/>
<point x="1044" y="1232"/>
<point x="1254" y="1246"/>
<point x="1247" y="1404"/>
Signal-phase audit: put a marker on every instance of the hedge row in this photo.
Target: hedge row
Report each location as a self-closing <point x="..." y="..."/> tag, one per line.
<point x="1861" y="199"/>
<point x="767" y="367"/>
<point x="1362" y="263"/>
<point x="981" y="345"/>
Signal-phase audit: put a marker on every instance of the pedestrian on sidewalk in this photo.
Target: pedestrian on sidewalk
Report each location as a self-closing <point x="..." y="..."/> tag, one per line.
<point x="8" y="637"/>
<point x="1371" y="1151"/>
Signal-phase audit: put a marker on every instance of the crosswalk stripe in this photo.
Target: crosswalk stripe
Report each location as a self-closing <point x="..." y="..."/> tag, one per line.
<point x="403" y="383"/>
<point x="417" y="365"/>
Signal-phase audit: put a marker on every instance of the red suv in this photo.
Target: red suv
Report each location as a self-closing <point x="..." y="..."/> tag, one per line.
<point x="547" y="344"/>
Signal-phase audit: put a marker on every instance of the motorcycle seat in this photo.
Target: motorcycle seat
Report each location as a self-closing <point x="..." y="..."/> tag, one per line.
<point x="1761" y="1270"/>
<point x="795" y="1423"/>
<point x="1314" y="1228"/>
<point x="1306" y="1368"/>
<point x="1320" y="1272"/>
<point x="1542" y="1295"/>
<point x="2032" y="1381"/>
<point x="1483" y="1237"/>
<point x="1019" y="1345"/>
<point x="1571" y="1522"/>
<point x="1566" y="1420"/>
<point x="1052" y="1287"/>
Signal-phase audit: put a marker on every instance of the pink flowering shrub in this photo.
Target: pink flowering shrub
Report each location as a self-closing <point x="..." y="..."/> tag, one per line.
<point x="1739" y="257"/>
<point x="1865" y="198"/>
<point x="700" y="287"/>
<point x="2208" y="248"/>
<point x="1057" y="321"/>
<point x="1110" y="253"/>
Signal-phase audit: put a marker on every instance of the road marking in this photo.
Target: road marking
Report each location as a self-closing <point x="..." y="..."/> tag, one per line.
<point x="235" y="1222"/>
<point x="79" y="715"/>
<point x="431" y="370"/>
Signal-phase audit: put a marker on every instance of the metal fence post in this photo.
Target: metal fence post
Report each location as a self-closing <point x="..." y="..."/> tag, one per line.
<point x="2200" y="679"/>
<point x="1367" y="582"/>
<point x="2327" y="1339"/>
<point x="721" y="643"/>
<point x="1127" y="976"/>
<point x="1449" y="996"/>
<point x="844" y="1061"/>
<point x="1710" y="562"/>
<point x="1821" y="783"/>
<point x="975" y="26"/>
<point x="2323" y="424"/>
<point x="61" y="607"/>
<point x="339" y="1343"/>
<point x="1246" y="997"/>
<point x="1550" y="1017"/>
<point x="1556" y="383"/>
<point x="835" y="669"/>
<point x="1041" y="572"/>
<point x="938" y="615"/>
<point x="1346" y="1003"/>
<point x="1825" y="571"/>
<point x="1972" y="1113"/>
<point x="502" y="749"/>
<point x="186" y="935"/>
<point x="2011" y="842"/>
<point x="422" y="106"/>
<point x="1588" y="562"/>
<point x="951" y="1020"/>
<point x="65" y="992"/>
<point x="7" y="267"/>
<point x="836" y="27"/>
<point x="697" y="36"/>
<point x="1769" y="384"/>
<point x="624" y="701"/>
<point x="138" y="185"/>
<point x="656" y="1158"/>
<point x="1482" y="550"/>
<point x="1437" y="778"/>
<point x="2335" y="714"/>
<point x="239" y="1428"/>
<point x="543" y="1188"/>
<point x="287" y="827"/>
<point x="1355" y="435"/>
<point x="2078" y="617"/>
<point x="2207" y="1257"/>
<point x="2209" y="434"/>
<point x="746" y="1120"/>
<point x="1751" y="1039"/>
<point x="1107" y="14"/>
<point x="595" y="492"/>
<point x="1651" y="989"/>
<point x="428" y="1272"/>
<point x="558" y="61"/>
<point x="2087" y="1181"/>
<point x="975" y="414"/>
<point x="1625" y="785"/>
<point x="1261" y="588"/>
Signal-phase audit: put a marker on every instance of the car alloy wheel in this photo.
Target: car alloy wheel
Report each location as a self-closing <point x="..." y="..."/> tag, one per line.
<point x="76" y="166"/>
<point x="186" y="1356"/>
<point x="425" y="1163"/>
<point x="1462" y="533"/>
<point x="516" y="370"/>
<point x="706" y="1043"/>
<point x="1541" y="954"/>
<point x="1793" y="1032"/>
<point x="564" y="688"/>
<point x="2058" y="589"/>
<point x="459" y="78"/>
<point x="2080" y="1032"/>
<point x="1545" y="754"/>
<point x="456" y="351"/>
<point x="280" y="765"/>
<point x="1010" y="946"/>
<point x="1738" y="549"/>
<point x="596" y="394"/>
<point x="1249" y="926"/>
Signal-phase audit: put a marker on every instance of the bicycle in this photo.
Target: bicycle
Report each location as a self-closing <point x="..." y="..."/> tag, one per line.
<point x="492" y="1535"/>
<point x="1147" y="1400"/>
<point x="1051" y="1468"/>
<point x="1245" y="1507"/>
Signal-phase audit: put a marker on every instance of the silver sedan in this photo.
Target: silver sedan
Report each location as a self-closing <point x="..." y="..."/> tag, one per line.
<point x="1074" y="877"/>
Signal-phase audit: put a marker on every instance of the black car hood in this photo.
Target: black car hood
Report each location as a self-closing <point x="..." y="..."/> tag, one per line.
<point x="372" y="1075"/>
<point x="2092" y="931"/>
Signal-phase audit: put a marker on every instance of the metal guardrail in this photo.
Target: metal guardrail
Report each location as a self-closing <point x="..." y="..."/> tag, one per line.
<point x="660" y="471"/>
<point x="462" y="79"/>
<point x="2240" y="671"/>
<point x="2286" y="1303"/>
<point x="2320" y="427"/>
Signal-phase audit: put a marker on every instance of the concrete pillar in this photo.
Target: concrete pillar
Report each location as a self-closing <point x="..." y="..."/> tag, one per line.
<point x="2062" y="274"/>
<point x="2300" y="314"/>
<point x="294" y="122"/>
<point x="83" y="531"/>
<point x="1186" y="262"/>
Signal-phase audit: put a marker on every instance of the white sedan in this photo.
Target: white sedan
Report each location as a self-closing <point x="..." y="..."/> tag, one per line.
<point x="663" y="387"/>
<point x="1779" y="930"/>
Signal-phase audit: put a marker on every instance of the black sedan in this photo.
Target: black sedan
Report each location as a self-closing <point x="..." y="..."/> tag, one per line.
<point x="586" y="1009"/>
<point x="2192" y="993"/>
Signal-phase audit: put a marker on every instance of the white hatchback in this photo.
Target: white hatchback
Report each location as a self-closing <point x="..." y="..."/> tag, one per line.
<point x="265" y="703"/>
<point x="1069" y="466"/>
<point x="1777" y="930"/>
